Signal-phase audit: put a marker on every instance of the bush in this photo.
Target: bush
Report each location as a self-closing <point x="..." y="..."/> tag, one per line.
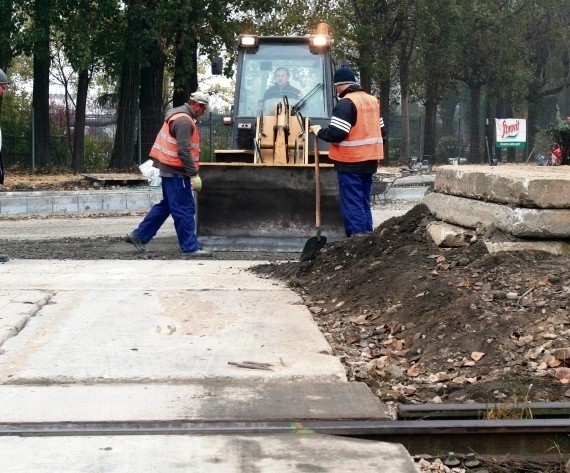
<point x="560" y="133"/>
<point x="447" y="149"/>
<point x="98" y="150"/>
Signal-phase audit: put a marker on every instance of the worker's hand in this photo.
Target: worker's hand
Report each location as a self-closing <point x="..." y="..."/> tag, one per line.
<point x="315" y="129"/>
<point x="196" y="183"/>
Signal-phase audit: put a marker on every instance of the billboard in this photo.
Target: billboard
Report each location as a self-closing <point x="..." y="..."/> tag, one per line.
<point x="510" y="132"/>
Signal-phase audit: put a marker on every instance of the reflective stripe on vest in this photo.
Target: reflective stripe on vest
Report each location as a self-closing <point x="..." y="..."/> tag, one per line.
<point x="364" y="140"/>
<point x="165" y="148"/>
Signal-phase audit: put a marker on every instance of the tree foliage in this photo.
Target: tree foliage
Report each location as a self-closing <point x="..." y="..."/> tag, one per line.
<point x="513" y="56"/>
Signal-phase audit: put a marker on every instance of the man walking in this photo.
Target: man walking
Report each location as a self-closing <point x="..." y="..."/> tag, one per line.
<point x="176" y="153"/>
<point x="3" y="87"/>
<point x="355" y="134"/>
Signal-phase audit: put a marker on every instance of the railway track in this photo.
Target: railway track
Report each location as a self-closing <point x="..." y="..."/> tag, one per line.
<point x="422" y="429"/>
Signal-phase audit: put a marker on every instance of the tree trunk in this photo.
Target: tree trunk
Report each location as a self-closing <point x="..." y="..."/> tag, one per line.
<point x="151" y="106"/>
<point x="430" y="129"/>
<point x="405" y="150"/>
<point x="125" y="136"/>
<point x="448" y="107"/>
<point x="6" y="27"/>
<point x="404" y="88"/>
<point x="500" y="112"/>
<point x="488" y="138"/>
<point x="365" y="66"/>
<point x="385" y="109"/>
<point x="185" y="71"/>
<point x="532" y="123"/>
<point x="430" y="124"/>
<point x="40" y="96"/>
<point x="79" y="128"/>
<point x="475" y="155"/>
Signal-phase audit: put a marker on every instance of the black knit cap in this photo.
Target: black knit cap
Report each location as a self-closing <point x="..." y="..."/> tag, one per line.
<point x="344" y="75"/>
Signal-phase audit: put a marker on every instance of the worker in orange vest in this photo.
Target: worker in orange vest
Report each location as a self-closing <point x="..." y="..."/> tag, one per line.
<point x="355" y="134"/>
<point x="176" y="153"/>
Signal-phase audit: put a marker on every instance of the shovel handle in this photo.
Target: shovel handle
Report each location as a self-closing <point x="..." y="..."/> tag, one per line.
<point x="317" y="188"/>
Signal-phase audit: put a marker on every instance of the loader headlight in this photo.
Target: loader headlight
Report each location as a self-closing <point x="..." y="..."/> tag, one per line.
<point x="247" y="41"/>
<point x="321" y="39"/>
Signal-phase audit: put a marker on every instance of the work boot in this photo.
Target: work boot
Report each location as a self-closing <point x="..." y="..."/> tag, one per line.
<point x="4" y="258"/>
<point x="197" y="254"/>
<point x="136" y="241"/>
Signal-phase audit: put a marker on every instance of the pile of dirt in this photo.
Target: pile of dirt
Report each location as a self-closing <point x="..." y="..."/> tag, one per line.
<point x="21" y="181"/>
<point x="419" y="323"/>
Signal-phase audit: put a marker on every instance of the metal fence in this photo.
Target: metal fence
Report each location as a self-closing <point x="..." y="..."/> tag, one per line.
<point x="19" y="152"/>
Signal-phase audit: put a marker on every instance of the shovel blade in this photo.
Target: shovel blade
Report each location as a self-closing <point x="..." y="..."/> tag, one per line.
<point x="313" y="247"/>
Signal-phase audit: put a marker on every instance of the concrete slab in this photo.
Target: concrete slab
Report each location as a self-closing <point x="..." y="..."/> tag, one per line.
<point x="425" y="180"/>
<point x="519" y="185"/>
<point x="221" y="454"/>
<point x="447" y="235"/>
<point x="406" y="193"/>
<point x="125" y="321"/>
<point x="16" y="310"/>
<point x="521" y="222"/>
<point x="552" y="247"/>
<point x="120" y="341"/>
<point x="203" y="401"/>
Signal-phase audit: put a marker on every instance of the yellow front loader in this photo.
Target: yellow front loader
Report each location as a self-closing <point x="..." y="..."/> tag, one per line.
<point x="259" y="194"/>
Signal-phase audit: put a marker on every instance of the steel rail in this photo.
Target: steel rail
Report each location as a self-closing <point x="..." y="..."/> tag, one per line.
<point x="537" y="410"/>
<point x="527" y="436"/>
<point x="335" y="427"/>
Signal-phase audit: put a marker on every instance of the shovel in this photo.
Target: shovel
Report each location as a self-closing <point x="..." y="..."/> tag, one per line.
<point x="314" y="244"/>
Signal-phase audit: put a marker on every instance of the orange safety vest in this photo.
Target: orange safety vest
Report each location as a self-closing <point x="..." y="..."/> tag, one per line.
<point x="165" y="148"/>
<point x="364" y="140"/>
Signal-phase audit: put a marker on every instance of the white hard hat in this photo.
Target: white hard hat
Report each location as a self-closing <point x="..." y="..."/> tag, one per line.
<point x="200" y="97"/>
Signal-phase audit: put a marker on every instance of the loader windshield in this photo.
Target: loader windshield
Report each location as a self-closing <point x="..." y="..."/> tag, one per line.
<point x="262" y="80"/>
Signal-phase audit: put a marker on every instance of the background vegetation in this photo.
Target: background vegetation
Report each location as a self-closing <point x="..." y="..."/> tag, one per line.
<point x="443" y="69"/>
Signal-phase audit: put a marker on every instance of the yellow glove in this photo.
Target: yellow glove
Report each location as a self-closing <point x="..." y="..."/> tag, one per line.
<point x="196" y="183"/>
<point x="315" y="129"/>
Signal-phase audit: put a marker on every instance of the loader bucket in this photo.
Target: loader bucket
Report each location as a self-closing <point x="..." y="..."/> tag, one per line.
<point x="261" y="207"/>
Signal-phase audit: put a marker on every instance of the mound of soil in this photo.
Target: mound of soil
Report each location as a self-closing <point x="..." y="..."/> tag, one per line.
<point x="419" y="323"/>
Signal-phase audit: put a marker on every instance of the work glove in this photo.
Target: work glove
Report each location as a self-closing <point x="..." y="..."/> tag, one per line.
<point x="196" y="183"/>
<point x="315" y="129"/>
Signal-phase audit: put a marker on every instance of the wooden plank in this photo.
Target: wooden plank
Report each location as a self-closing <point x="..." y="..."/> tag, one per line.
<point x="116" y="178"/>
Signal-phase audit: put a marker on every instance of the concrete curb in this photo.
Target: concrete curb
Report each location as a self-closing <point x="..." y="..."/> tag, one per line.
<point x="48" y="202"/>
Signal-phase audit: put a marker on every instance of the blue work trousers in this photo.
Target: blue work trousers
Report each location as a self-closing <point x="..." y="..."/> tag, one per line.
<point x="177" y="199"/>
<point x="354" y="194"/>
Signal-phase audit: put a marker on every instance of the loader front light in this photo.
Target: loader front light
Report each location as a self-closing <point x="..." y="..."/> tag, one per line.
<point x="248" y="41"/>
<point x="321" y="39"/>
<point x="320" y="42"/>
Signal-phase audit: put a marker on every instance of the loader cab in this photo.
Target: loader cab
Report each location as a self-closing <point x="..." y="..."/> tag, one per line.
<point x="307" y="72"/>
<point x="310" y="72"/>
